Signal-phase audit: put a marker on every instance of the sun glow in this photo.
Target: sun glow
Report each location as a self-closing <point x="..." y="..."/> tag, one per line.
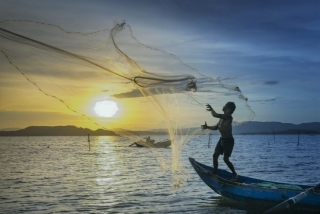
<point x="106" y="108"/>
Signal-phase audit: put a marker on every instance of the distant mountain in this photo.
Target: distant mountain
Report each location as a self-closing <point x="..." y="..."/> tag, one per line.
<point x="251" y="127"/>
<point x="56" y="131"/>
<point x="254" y="127"/>
<point x="276" y="127"/>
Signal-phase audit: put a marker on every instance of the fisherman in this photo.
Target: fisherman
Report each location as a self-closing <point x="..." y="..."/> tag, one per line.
<point x="226" y="141"/>
<point x="148" y="139"/>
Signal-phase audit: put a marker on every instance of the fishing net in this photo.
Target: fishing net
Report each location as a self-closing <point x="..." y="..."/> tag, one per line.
<point x="153" y="89"/>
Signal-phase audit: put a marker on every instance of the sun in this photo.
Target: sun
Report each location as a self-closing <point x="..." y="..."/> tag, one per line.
<point x="105" y="108"/>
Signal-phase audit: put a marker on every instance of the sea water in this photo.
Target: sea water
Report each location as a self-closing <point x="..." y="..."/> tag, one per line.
<point x="61" y="174"/>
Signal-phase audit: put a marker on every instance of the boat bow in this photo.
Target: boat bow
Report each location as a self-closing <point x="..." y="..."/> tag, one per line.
<point x="253" y="190"/>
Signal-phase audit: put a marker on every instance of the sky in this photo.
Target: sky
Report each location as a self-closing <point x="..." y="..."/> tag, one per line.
<point x="270" y="49"/>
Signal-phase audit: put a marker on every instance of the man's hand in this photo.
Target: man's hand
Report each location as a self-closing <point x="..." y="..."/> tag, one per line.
<point x="209" y="108"/>
<point x="204" y="126"/>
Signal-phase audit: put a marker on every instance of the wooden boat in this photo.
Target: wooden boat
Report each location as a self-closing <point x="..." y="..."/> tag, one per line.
<point x="151" y="144"/>
<point x="144" y="143"/>
<point x="255" y="191"/>
<point x="163" y="144"/>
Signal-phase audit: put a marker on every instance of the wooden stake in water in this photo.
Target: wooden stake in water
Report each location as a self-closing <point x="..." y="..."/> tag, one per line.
<point x="89" y="141"/>
<point x="298" y="137"/>
<point x="210" y="140"/>
<point x="274" y="137"/>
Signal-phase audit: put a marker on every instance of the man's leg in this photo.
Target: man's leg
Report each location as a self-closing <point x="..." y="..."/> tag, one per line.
<point x="215" y="162"/>
<point x="230" y="165"/>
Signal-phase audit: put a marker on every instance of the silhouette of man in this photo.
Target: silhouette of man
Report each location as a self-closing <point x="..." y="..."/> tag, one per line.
<point x="226" y="141"/>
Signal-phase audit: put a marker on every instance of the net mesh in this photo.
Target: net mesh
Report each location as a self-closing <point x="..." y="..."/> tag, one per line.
<point x="153" y="88"/>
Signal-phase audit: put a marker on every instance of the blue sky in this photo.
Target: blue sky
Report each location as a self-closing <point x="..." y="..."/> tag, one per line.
<point x="270" y="49"/>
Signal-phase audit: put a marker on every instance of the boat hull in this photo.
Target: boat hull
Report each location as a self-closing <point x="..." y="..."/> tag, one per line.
<point x="161" y="144"/>
<point x="248" y="190"/>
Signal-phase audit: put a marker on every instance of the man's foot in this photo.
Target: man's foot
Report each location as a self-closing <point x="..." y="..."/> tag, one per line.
<point x="234" y="178"/>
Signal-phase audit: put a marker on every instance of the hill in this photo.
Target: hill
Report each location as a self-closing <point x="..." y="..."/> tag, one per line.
<point x="251" y="127"/>
<point x="276" y="127"/>
<point x="254" y="127"/>
<point x="56" y="131"/>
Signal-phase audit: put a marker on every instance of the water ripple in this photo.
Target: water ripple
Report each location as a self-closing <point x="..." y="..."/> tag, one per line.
<point x="113" y="178"/>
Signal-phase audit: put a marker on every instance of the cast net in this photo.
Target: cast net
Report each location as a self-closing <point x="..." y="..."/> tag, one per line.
<point x="154" y="90"/>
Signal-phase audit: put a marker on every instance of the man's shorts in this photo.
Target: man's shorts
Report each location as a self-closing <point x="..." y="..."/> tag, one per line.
<point x="225" y="146"/>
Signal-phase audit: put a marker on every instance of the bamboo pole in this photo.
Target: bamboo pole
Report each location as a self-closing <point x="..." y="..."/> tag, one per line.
<point x="89" y="141"/>
<point x="274" y="137"/>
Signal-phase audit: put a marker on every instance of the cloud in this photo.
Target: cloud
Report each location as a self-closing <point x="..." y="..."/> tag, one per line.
<point x="136" y="93"/>
<point x="271" y="82"/>
<point x="271" y="100"/>
<point x="131" y="94"/>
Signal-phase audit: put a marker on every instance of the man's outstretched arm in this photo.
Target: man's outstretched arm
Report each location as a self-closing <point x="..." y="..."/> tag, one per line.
<point x="205" y="126"/>
<point x="215" y="114"/>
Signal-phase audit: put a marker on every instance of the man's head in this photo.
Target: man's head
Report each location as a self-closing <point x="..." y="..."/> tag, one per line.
<point x="229" y="107"/>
